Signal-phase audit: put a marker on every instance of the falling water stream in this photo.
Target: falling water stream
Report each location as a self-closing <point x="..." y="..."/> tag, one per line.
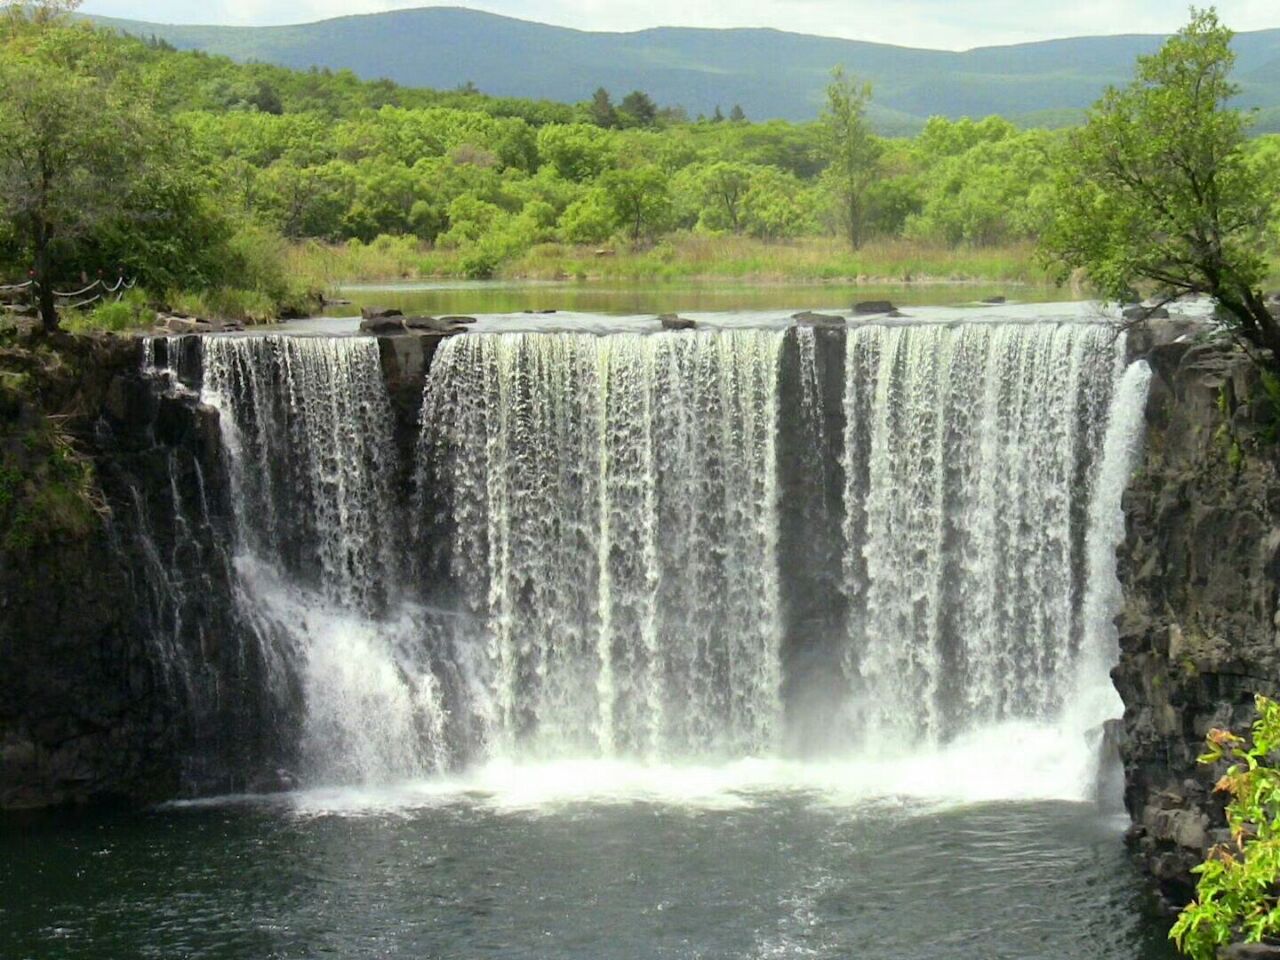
<point x="547" y="647"/>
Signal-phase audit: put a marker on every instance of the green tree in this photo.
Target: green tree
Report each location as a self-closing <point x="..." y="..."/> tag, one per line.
<point x="589" y="219"/>
<point x="1157" y="187"/>
<point x="852" y="153"/>
<point x="737" y="114"/>
<point x="638" y="198"/>
<point x="74" y="134"/>
<point x="724" y="187"/>
<point x="577" y="151"/>
<point x="638" y="109"/>
<point x="1236" y="895"/>
<point x="601" y="109"/>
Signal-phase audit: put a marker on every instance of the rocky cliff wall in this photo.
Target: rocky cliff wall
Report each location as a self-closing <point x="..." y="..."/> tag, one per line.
<point x="125" y="673"/>
<point x="1199" y="567"/>
<point x="128" y="668"/>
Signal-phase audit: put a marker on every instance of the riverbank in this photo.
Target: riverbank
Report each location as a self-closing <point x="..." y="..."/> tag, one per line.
<point x="680" y="257"/>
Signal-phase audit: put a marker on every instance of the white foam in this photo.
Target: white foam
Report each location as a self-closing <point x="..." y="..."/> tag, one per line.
<point x="1008" y="762"/>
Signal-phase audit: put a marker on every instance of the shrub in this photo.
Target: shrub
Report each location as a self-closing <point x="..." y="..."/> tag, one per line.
<point x="1237" y="896"/>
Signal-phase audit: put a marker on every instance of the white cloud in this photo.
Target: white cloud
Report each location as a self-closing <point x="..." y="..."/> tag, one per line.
<point x="949" y="24"/>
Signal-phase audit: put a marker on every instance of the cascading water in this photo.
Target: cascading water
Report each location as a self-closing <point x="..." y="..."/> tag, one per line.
<point x="306" y="425"/>
<point x="970" y="452"/>
<point x="614" y="509"/>
<point x="1097" y="700"/>
<point x="600" y="560"/>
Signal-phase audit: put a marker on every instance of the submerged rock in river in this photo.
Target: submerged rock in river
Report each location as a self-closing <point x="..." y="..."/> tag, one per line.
<point x="810" y="319"/>
<point x="866" y="308"/>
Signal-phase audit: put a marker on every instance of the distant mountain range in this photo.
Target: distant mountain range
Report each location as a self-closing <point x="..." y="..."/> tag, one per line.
<point x="770" y="73"/>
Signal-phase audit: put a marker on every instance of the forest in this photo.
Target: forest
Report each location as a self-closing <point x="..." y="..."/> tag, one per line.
<point x="247" y="190"/>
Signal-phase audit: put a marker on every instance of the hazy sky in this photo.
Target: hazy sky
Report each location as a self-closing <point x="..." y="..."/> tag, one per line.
<point x="953" y="24"/>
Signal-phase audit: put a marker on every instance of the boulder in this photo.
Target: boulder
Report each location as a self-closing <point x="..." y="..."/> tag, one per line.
<point x="810" y="319"/>
<point x="382" y="325"/>
<point x="457" y="319"/>
<point x="994" y="300"/>
<point x="671" y="321"/>
<point x="1138" y="312"/>
<point x="540" y="311"/>
<point x="869" y="307"/>
<point x="178" y="324"/>
<point x="379" y="313"/>
<point x="1250" y="951"/>
<point x="1144" y="336"/>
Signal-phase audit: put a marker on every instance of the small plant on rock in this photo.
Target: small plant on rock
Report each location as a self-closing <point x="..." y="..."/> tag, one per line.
<point x="1238" y="894"/>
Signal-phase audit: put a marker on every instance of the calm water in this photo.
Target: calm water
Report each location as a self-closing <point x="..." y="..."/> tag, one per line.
<point x="458" y="296"/>
<point x="467" y="875"/>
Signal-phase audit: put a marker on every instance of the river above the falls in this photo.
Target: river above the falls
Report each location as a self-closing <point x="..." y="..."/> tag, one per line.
<point x="593" y="863"/>
<point x="497" y="296"/>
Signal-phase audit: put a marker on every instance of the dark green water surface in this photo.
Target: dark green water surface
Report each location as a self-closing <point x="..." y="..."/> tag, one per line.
<point x="779" y="877"/>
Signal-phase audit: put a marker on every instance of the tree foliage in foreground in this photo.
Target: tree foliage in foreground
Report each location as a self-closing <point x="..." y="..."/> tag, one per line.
<point x="78" y="138"/>
<point x="1238" y="894"/>
<point x="1158" y="187"/>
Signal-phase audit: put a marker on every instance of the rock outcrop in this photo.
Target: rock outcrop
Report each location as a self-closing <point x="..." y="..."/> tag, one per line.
<point x="1200" y="568"/>
<point x="867" y="308"/>
<point x="671" y="321"/>
<point x="810" y="319"/>
<point x="124" y="671"/>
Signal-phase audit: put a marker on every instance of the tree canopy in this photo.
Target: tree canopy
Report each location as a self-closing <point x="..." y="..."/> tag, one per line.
<point x="852" y="153"/>
<point x="1159" y="187"/>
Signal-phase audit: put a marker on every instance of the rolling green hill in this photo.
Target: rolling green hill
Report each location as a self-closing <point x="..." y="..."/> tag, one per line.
<point x="769" y="72"/>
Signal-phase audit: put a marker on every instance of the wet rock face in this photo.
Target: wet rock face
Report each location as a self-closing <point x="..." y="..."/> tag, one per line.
<point x="123" y="671"/>
<point x="1200" y="568"/>
<point x="76" y="717"/>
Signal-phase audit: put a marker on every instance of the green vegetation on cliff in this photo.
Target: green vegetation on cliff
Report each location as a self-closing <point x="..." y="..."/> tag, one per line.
<point x="1236" y="897"/>
<point x="1161" y="188"/>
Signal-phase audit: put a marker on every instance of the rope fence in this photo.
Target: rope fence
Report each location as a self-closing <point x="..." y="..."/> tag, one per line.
<point x="97" y="291"/>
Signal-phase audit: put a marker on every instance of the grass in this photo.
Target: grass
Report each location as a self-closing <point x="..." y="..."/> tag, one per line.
<point x="680" y="257"/>
<point x="702" y="257"/>
<point x="325" y="266"/>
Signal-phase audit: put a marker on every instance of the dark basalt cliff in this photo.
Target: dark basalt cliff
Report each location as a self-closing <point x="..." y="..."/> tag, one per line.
<point x="1199" y="568"/>
<point x="127" y="669"/>
<point x="122" y="672"/>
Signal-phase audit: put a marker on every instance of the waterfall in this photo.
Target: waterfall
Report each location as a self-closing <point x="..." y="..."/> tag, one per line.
<point x="674" y="547"/>
<point x="970" y="454"/>
<point x="614" y="507"/>
<point x="1096" y="699"/>
<point x="306" y="426"/>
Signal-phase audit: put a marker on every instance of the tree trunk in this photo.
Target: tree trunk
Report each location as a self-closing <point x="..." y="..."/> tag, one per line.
<point x="1257" y="324"/>
<point x="45" y="300"/>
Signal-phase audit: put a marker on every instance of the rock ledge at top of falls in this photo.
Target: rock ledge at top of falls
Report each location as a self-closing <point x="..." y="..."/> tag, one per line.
<point x="672" y="321"/>
<point x="397" y="324"/>
<point x="1200" y="568"/>
<point x="810" y="319"/>
<point x="865" y="308"/>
